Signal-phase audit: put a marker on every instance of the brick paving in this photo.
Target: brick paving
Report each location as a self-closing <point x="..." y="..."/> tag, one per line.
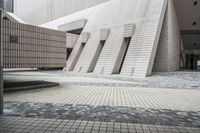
<point x="178" y="80"/>
<point x="175" y="99"/>
<point x="104" y="113"/>
<point x="40" y="125"/>
<point x="104" y="104"/>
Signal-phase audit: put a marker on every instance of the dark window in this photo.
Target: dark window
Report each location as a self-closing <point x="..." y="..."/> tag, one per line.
<point x="7" y="5"/>
<point x="13" y="39"/>
<point x="69" y="51"/>
<point x="194" y="23"/>
<point x="195" y="3"/>
<point x="77" y="57"/>
<point x="121" y="56"/>
<point x="1" y="4"/>
<point x="96" y="56"/>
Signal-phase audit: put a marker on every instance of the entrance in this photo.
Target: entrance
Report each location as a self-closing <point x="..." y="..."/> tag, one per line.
<point x="69" y="51"/>
<point x="191" y="61"/>
<point x="190" y="50"/>
<point x="77" y="57"/>
<point x="96" y="56"/>
<point x="121" y="57"/>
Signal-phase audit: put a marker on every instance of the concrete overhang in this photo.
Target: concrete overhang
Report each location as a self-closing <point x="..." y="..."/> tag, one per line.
<point x="12" y="17"/>
<point x="104" y="33"/>
<point x="129" y="30"/>
<point x="74" y="27"/>
<point x="188" y="15"/>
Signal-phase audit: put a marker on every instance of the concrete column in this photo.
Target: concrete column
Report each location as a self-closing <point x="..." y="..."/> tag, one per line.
<point x="1" y="66"/>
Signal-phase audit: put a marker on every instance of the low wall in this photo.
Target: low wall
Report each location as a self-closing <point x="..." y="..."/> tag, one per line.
<point x="27" y="46"/>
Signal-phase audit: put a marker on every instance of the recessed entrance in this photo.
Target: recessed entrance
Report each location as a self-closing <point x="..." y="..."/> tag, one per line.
<point x="121" y="56"/>
<point x="69" y="51"/>
<point x="96" y="56"/>
<point x="190" y="53"/>
<point x="77" y="56"/>
<point x="187" y="13"/>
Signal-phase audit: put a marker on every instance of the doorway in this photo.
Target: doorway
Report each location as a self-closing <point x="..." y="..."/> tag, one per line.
<point x="96" y="56"/>
<point x="121" y="56"/>
<point x="190" y="50"/>
<point x="69" y="51"/>
<point x="191" y="61"/>
<point x="77" y="57"/>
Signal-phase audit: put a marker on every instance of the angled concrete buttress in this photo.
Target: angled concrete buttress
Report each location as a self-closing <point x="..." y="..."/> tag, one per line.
<point x="74" y="27"/>
<point x="132" y="44"/>
<point x="84" y="38"/>
<point x="104" y="33"/>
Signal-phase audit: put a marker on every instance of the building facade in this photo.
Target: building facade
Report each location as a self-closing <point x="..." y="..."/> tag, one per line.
<point x="133" y="37"/>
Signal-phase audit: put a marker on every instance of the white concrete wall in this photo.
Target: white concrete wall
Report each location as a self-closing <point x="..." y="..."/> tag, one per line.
<point x="174" y="39"/>
<point x="42" y="11"/>
<point x="71" y="40"/>
<point x="168" y="54"/>
<point x="146" y="15"/>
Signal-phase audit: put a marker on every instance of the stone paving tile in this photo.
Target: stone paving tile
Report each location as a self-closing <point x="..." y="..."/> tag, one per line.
<point x="40" y="125"/>
<point x="174" y="99"/>
<point x="163" y="103"/>
<point x="178" y="79"/>
<point x="103" y="113"/>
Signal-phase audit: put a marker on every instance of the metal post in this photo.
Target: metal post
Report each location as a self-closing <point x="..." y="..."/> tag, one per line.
<point x="1" y="66"/>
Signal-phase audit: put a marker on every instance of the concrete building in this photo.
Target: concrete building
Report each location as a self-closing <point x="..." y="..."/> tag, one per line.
<point x="41" y="11"/>
<point x="133" y="37"/>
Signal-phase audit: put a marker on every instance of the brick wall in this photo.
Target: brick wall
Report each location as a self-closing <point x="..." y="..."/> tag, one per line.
<point x="26" y="46"/>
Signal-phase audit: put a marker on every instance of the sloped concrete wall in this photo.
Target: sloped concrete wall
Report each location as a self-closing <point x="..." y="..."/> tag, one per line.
<point x="168" y="53"/>
<point x="146" y="15"/>
<point x="148" y="24"/>
<point x="42" y="11"/>
<point x="174" y="39"/>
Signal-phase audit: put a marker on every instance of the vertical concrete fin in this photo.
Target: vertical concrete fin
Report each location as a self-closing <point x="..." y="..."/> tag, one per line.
<point x="85" y="37"/>
<point x="156" y="39"/>
<point x="129" y="30"/>
<point x="104" y="33"/>
<point x="168" y="52"/>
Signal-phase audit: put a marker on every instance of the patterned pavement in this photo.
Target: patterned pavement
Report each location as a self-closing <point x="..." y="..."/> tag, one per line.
<point x="102" y="105"/>
<point x="40" y="125"/>
<point x="104" y="113"/>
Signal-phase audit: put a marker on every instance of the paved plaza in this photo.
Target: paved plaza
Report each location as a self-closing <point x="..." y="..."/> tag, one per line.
<point x="40" y="125"/>
<point x="99" y="103"/>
